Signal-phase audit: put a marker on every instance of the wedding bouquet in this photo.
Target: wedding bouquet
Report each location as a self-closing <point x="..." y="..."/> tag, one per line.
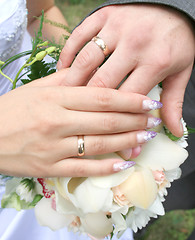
<point x="101" y="206"/>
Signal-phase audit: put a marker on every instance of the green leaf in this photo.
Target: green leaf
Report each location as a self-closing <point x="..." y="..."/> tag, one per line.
<point x="191" y="130"/>
<point x="38" y="70"/>
<point x="170" y="135"/>
<point x="11" y="201"/>
<point x="38" y="35"/>
<point x="36" y="199"/>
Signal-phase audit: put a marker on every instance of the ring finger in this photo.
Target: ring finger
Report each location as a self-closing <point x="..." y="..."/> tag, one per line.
<point x="102" y="144"/>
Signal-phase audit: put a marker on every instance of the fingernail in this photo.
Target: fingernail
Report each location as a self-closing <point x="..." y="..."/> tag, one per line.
<point x="59" y="65"/>
<point x="126" y="154"/>
<point x="153" y="122"/>
<point x="121" y="166"/>
<point x="136" y="152"/>
<point x="145" y="136"/>
<point x="151" y="105"/>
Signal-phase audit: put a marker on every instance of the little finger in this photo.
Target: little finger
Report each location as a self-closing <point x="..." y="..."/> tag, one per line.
<point x="75" y="167"/>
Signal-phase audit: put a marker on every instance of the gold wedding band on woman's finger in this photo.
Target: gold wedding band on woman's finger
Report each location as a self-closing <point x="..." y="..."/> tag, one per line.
<point x="81" y="146"/>
<point x="101" y="44"/>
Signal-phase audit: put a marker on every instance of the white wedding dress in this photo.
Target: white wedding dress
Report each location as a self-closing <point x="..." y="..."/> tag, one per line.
<point x="14" y="38"/>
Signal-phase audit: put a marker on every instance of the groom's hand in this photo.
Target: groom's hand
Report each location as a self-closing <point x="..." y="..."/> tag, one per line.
<point x="150" y="43"/>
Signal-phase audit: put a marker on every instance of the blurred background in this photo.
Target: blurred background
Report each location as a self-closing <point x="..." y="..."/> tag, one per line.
<point x="76" y="10"/>
<point x="175" y="225"/>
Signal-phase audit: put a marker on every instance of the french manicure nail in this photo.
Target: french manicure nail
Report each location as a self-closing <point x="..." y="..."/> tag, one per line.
<point x="126" y="154"/>
<point x="120" y="166"/>
<point x="145" y="136"/>
<point x="151" y="105"/>
<point x="153" y="122"/>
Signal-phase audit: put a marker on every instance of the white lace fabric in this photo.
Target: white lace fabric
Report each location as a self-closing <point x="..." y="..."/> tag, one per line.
<point x="13" y="23"/>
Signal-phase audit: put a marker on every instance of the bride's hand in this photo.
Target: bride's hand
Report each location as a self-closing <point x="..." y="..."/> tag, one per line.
<point x="41" y="122"/>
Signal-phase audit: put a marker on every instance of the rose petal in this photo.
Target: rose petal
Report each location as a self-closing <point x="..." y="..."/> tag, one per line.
<point x="140" y="188"/>
<point x="119" y="222"/>
<point x="47" y="216"/>
<point x="161" y="154"/>
<point x="113" y="179"/>
<point x="97" y="224"/>
<point x="157" y="207"/>
<point x="90" y="198"/>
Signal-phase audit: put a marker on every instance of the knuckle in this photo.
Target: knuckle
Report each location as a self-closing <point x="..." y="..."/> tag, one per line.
<point x="45" y="125"/>
<point x="39" y="168"/>
<point x="80" y="170"/>
<point x="139" y="38"/>
<point x="110" y="123"/>
<point x="99" y="146"/>
<point x="99" y="81"/>
<point x="101" y="15"/>
<point x="84" y="59"/>
<point x="104" y="99"/>
<point x="76" y="34"/>
<point x="163" y="60"/>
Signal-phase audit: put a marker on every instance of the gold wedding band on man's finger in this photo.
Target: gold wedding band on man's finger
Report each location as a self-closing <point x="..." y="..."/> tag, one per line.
<point x="101" y="44"/>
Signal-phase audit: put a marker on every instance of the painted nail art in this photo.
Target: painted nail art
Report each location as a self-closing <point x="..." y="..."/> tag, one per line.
<point x="151" y="105"/>
<point x="153" y="122"/>
<point x="120" y="166"/>
<point x="145" y="136"/>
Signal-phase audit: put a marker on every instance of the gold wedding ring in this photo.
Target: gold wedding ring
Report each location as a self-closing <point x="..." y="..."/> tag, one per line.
<point x="101" y="44"/>
<point x="81" y="146"/>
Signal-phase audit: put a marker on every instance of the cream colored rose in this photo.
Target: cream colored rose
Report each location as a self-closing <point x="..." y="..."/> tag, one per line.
<point x="140" y="189"/>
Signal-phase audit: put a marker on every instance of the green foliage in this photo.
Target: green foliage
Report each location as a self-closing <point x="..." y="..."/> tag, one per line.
<point x="175" y="225"/>
<point x="29" y="183"/>
<point x="35" y="64"/>
<point x="76" y="1"/>
<point x="38" y="70"/>
<point x="36" y="199"/>
<point x="170" y="135"/>
<point x="13" y="201"/>
<point x="191" y="130"/>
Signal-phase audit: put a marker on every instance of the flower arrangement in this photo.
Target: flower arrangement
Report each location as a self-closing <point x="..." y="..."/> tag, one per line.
<point x="98" y="206"/>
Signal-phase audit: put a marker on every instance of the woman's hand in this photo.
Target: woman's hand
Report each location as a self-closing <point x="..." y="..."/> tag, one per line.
<point x="41" y="122"/>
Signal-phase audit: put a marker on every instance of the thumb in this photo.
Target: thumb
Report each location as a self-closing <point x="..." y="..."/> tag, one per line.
<point x="172" y="98"/>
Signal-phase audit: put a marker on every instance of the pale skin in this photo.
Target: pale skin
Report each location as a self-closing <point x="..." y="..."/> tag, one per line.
<point x="149" y="42"/>
<point x="41" y="121"/>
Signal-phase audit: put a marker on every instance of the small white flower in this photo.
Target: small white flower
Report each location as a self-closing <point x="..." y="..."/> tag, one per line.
<point x="182" y="141"/>
<point x="24" y="193"/>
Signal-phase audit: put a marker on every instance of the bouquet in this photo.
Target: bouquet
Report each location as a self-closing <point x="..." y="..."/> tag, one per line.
<point x="98" y="206"/>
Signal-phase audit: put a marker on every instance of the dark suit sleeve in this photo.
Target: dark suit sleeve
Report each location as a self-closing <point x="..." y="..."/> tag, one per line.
<point x="185" y="6"/>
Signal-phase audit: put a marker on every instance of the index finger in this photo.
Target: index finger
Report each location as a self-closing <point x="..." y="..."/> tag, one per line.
<point x="79" y="37"/>
<point x="104" y="99"/>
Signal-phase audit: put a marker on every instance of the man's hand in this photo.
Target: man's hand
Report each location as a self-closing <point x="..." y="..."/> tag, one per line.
<point x="149" y="43"/>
